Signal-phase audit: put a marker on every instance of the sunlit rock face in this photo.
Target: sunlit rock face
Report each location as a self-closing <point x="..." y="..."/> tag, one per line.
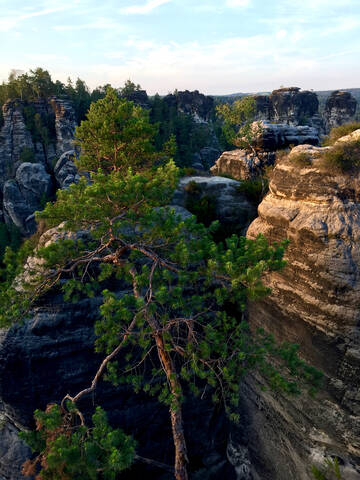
<point x="340" y="108"/>
<point x="242" y="164"/>
<point x="314" y="303"/>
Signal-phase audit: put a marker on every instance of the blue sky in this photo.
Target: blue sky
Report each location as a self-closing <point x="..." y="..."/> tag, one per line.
<point x="215" y="46"/>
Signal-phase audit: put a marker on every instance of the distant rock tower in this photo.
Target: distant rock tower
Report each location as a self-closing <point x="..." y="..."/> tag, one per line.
<point x="340" y="108"/>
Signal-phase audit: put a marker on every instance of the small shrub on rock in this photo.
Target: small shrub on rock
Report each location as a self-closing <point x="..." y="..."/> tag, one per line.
<point x="339" y="132"/>
<point x="301" y="159"/>
<point x="342" y="157"/>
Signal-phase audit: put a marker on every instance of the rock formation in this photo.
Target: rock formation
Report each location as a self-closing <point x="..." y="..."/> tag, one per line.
<point x="288" y="105"/>
<point x="314" y="303"/>
<point x="241" y="164"/>
<point x="224" y="201"/>
<point x="199" y="106"/>
<point x="52" y="353"/>
<point x="14" y="139"/>
<point x="64" y="124"/>
<point x="18" y="146"/>
<point x="25" y="194"/>
<point x="65" y="170"/>
<point x="340" y="108"/>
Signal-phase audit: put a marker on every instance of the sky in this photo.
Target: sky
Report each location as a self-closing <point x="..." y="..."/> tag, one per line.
<point x="214" y="46"/>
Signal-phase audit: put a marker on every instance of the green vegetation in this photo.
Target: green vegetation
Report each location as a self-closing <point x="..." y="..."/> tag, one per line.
<point x="27" y="155"/>
<point x="181" y="315"/>
<point x="255" y="189"/>
<point x="116" y="135"/>
<point x="190" y="136"/>
<point x="9" y="236"/>
<point x="238" y="128"/>
<point x="339" y="132"/>
<point x="81" y="454"/>
<point x="330" y="471"/>
<point x="344" y="157"/>
<point x="300" y="159"/>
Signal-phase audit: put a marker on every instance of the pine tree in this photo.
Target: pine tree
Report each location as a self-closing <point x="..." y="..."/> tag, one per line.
<point x="172" y="331"/>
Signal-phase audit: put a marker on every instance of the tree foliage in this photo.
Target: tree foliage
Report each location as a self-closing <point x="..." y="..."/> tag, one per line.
<point x="238" y="127"/>
<point x="170" y="329"/>
<point x="116" y="135"/>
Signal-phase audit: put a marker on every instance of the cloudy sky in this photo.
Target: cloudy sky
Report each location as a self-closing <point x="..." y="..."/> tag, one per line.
<point x="215" y="46"/>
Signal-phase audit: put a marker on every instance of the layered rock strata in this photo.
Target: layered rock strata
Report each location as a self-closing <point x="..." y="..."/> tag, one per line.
<point x="242" y="164"/>
<point x="314" y="303"/>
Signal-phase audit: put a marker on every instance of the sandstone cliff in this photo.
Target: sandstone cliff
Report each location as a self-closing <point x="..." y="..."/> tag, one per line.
<point x="340" y="108"/>
<point x="21" y="144"/>
<point x="314" y="303"/>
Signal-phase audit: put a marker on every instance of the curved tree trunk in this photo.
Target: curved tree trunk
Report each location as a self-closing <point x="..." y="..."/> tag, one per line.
<point x="181" y="458"/>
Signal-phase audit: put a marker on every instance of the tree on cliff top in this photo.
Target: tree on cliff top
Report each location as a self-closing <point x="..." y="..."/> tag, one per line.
<point x="238" y="127"/>
<point x="115" y="136"/>
<point x="169" y="331"/>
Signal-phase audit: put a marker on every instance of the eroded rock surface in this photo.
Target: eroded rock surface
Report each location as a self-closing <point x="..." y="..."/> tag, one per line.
<point x="314" y="303"/>
<point x="25" y="194"/>
<point x="229" y="205"/>
<point x="198" y="105"/>
<point x="340" y="108"/>
<point x="25" y="189"/>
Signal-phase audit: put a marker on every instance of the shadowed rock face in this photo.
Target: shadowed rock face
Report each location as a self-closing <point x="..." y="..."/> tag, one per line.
<point x="231" y="207"/>
<point x="20" y="200"/>
<point x="200" y="106"/>
<point x="14" y="138"/>
<point x="314" y="303"/>
<point x="340" y="108"/>
<point x="52" y="354"/>
<point x="288" y="105"/>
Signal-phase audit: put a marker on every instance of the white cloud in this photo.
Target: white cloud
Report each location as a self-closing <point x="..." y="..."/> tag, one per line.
<point x="148" y="7"/>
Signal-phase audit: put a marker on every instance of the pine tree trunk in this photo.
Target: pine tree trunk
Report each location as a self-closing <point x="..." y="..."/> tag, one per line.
<point x="181" y="458"/>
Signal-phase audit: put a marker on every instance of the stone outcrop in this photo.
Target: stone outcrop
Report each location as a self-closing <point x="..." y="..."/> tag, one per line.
<point x="205" y="158"/>
<point x="277" y="136"/>
<point x="18" y="147"/>
<point x="314" y="303"/>
<point x="293" y="106"/>
<point x="241" y="164"/>
<point x="14" y="140"/>
<point x="65" y="170"/>
<point x="340" y="108"/>
<point x="230" y="206"/>
<point x="199" y="106"/>
<point x="65" y="123"/>
<point x="25" y="194"/>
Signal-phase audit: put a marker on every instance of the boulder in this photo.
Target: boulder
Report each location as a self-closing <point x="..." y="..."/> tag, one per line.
<point x="314" y="303"/>
<point x="242" y="165"/>
<point x="25" y="194"/>
<point x="230" y="206"/>
<point x="65" y="170"/>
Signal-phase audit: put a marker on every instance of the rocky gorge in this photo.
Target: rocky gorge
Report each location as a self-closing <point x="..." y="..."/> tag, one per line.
<point x="314" y="303"/>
